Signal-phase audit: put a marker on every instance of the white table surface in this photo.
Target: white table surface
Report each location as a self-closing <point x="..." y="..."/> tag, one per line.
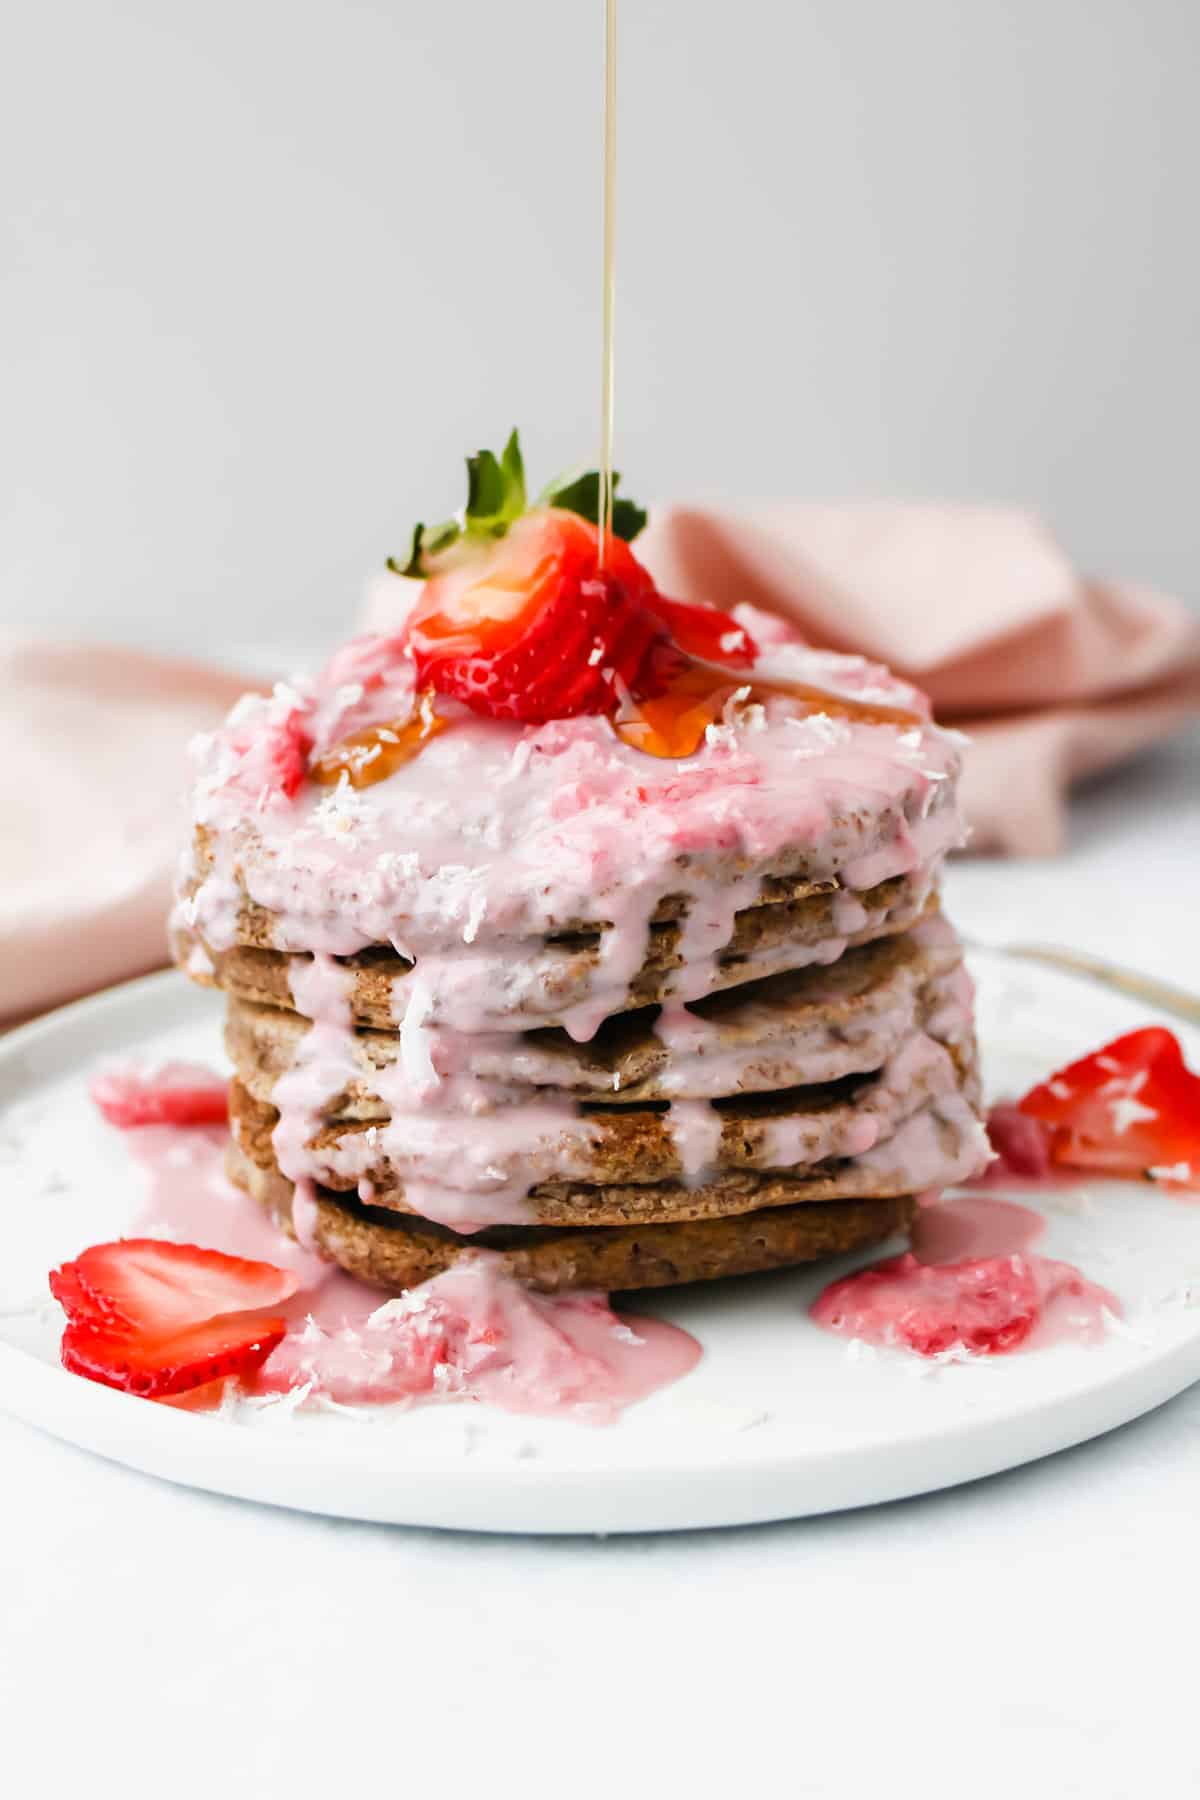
<point x="1033" y="1634"/>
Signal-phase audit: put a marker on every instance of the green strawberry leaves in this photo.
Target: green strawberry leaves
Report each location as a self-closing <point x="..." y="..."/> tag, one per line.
<point x="496" y="498"/>
<point x="581" y="494"/>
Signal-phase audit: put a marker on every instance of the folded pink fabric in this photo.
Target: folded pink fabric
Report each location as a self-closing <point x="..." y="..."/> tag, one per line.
<point x="92" y="744"/>
<point x="1052" y="675"/>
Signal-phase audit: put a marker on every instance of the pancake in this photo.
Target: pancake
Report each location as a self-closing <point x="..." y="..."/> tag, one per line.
<point x="395" y="1252"/>
<point x="938" y="1141"/>
<point x="808" y="1025"/>
<point x="528" y="1130"/>
<point x="573" y="980"/>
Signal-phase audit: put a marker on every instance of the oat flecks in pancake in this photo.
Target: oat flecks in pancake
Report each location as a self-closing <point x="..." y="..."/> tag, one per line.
<point x="396" y="1252"/>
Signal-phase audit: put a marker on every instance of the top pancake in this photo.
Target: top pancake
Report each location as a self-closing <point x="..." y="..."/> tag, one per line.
<point x="498" y="834"/>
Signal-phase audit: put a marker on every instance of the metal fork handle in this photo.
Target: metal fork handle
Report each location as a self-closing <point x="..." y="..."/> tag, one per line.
<point x="1159" y="994"/>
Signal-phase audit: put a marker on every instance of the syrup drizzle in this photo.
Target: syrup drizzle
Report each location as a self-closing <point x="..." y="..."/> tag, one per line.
<point x="672" y="718"/>
<point x="371" y="755"/>
<point x="686" y="696"/>
<point x="607" y="375"/>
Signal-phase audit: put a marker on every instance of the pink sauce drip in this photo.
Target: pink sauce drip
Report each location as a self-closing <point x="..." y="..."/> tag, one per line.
<point x="955" y="1230"/>
<point x="969" y="1284"/>
<point x="473" y="1333"/>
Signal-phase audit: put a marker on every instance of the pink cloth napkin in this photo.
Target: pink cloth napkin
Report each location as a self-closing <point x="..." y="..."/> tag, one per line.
<point x="1052" y="675"/>
<point x="92" y="745"/>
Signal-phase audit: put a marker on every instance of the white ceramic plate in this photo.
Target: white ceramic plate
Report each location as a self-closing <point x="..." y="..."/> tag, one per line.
<point x="778" y="1420"/>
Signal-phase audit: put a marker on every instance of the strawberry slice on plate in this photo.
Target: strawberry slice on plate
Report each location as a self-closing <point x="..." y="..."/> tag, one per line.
<point x="157" y="1318"/>
<point x="157" y="1367"/>
<point x="148" y="1283"/>
<point x="178" y="1093"/>
<point x="1131" y="1108"/>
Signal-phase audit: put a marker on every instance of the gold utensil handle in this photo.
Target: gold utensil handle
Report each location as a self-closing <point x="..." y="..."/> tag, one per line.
<point x="1159" y="994"/>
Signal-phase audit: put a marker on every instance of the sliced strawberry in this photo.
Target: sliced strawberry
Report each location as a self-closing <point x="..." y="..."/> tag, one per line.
<point x="76" y="1301"/>
<point x="175" y="1094"/>
<point x="537" y="630"/>
<point x="157" y="1318"/>
<point x="153" y="1366"/>
<point x="1132" y="1108"/>
<point x="705" y="632"/>
<point x="147" y="1284"/>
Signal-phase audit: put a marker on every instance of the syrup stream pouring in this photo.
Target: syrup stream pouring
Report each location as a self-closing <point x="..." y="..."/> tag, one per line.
<point x="607" y="383"/>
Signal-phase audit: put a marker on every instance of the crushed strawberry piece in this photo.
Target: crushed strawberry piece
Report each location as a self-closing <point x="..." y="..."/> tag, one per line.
<point x="1131" y="1108"/>
<point x="175" y="1094"/>
<point x="984" y="1307"/>
<point x="158" y="1319"/>
<point x="285" y="750"/>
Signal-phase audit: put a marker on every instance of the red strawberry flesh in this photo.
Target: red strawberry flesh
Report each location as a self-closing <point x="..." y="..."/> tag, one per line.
<point x="175" y="1094"/>
<point x="1131" y="1108"/>
<point x="158" y="1318"/>
<point x="152" y="1366"/>
<point x="151" y="1285"/>
<point x="538" y="630"/>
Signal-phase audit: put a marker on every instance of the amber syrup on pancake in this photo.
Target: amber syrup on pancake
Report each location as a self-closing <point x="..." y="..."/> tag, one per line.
<point x="679" y="697"/>
<point x="373" y="754"/>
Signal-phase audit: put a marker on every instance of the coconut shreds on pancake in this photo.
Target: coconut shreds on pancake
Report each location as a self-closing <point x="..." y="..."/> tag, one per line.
<point x="395" y="1252"/>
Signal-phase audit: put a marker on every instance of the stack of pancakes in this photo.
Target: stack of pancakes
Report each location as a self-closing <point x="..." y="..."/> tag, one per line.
<point x="783" y="1116"/>
<point x="628" y="1019"/>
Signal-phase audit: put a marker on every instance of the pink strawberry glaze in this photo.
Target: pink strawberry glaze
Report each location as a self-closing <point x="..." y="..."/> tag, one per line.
<point x="969" y="1284"/>
<point x="973" y="1226"/>
<point x="473" y="1333"/>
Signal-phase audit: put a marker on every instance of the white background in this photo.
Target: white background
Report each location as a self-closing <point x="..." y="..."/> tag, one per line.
<point x="270" y="267"/>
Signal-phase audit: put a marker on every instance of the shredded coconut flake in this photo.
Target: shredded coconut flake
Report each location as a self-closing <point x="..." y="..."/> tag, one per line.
<point x="1119" y="1328"/>
<point x="1180" y="1171"/>
<point x="1126" y="1111"/>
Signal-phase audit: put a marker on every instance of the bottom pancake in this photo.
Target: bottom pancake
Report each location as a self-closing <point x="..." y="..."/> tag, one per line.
<point x="395" y="1251"/>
